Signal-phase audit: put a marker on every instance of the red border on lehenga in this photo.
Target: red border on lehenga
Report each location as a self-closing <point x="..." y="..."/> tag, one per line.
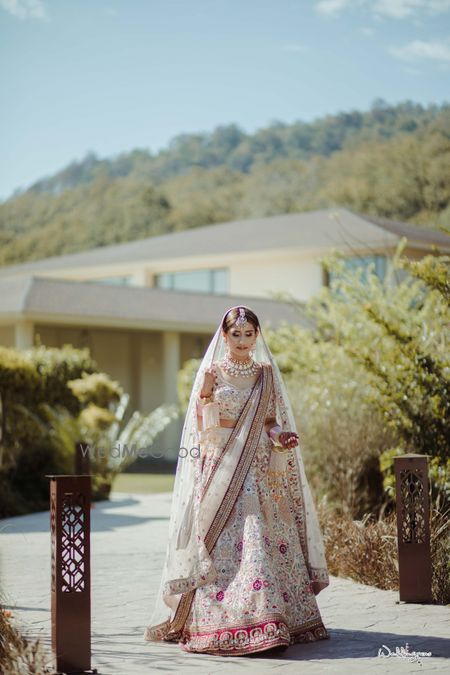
<point x="250" y="639"/>
<point x="239" y="639"/>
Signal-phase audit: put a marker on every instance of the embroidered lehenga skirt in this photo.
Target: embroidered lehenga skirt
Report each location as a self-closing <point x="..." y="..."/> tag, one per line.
<point x="262" y="597"/>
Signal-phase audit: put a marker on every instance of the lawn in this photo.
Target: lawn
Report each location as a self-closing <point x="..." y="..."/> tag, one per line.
<point x="143" y="482"/>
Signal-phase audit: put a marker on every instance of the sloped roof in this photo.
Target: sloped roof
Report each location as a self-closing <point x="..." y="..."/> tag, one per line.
<point x="412" y="232"/>
<point x="323" y="229"/>
<point x="89" y="303"/>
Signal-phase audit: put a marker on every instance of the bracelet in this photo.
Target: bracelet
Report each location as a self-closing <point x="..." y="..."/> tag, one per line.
<point x="274" y="434"/>
<point x="205" y="398"/>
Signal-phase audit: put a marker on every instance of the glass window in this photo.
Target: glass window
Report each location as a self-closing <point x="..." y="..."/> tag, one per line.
<point x="123" y="281"/>
<point x="196" y="280"/>
<point x="220" y="280"/>
<point x="353" y="262"/>
<point x="199" y="281"/>
<point x="164" y="280"/>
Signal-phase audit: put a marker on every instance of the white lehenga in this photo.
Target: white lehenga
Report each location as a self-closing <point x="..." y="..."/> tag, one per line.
<point x="245" y="556"/>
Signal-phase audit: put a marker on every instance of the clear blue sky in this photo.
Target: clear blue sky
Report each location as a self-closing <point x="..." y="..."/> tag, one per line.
<point x="112" y="75"/>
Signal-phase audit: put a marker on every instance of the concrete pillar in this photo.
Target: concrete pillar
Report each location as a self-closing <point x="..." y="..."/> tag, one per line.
<point x="171" y="365"/>
<point x="24" y="334"/>
<point x="135" y="370"/>
<point x="139" y="278"/>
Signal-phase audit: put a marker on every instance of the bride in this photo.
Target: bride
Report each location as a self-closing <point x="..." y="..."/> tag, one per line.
<point x="245" y="557"/>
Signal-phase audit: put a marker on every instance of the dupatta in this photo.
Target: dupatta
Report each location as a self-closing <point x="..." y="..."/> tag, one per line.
<point x="198" y="517"/>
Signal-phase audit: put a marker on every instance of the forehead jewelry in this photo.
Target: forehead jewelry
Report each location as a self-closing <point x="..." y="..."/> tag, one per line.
<point x="241" y="320"/>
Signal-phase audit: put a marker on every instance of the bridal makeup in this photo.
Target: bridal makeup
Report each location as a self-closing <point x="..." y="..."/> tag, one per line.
<point x="240" y="341"/>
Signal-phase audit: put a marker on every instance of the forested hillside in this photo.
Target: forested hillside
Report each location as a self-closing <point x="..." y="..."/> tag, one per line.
<point x="392" y="161"/>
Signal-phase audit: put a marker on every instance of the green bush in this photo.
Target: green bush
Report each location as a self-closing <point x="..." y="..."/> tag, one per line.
<point x="371" y="379"/>
<point x="50" y="399"/>
<point x="341" y="435"/>
<point x="29" y="381"/>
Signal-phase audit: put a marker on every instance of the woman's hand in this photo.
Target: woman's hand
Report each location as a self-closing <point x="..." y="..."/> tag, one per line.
<point x="288" y="439"/>
<point x="208" y="384"/>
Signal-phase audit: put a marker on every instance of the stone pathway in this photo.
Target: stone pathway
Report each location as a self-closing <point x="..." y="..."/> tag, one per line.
<point x="127" y="548"/>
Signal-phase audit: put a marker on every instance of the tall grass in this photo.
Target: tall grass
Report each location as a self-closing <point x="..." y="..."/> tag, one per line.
<point x="18" y="654"/>
<point x="366" y="550"/>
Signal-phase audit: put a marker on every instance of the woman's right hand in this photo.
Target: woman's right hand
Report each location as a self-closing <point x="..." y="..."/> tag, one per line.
<point x="288" y="439"/>
<point x="208" y="384"/>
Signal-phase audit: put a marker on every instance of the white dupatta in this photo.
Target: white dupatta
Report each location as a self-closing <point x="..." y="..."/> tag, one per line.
<point x="196" y="519"/>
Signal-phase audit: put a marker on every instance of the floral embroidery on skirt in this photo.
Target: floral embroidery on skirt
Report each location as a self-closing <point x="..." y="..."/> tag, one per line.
<point x="262" y="596"/>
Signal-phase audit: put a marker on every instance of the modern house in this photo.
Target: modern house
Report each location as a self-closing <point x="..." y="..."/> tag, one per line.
<point x="146" y="306"/>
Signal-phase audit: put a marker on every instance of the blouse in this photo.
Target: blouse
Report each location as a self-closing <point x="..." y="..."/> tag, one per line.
<point x="228" y="401"/>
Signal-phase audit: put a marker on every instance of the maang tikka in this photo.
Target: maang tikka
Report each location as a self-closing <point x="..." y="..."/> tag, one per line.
<point x="242" y="319"/>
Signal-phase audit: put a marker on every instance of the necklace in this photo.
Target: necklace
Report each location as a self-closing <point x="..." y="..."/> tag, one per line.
<point x="237" y="368"/>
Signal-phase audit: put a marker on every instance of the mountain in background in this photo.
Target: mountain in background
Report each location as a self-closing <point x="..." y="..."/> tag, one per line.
<point x="392" y="161"/>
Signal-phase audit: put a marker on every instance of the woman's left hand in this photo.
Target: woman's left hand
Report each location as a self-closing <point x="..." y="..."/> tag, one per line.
<point x="288" y="439"/>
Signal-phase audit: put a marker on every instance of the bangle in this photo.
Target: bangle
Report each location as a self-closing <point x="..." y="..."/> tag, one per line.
<point x="274" y="434"/>
<point x="205" y="398"/>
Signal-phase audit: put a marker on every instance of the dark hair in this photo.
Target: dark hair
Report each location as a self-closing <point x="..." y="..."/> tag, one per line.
<point x="230" y="318"/>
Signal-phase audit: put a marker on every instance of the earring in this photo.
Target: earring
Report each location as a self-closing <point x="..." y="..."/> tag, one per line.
<point x="227" y="348"/>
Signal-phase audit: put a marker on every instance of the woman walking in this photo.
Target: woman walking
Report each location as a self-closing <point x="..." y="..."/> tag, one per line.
<point x="245" y="558"/>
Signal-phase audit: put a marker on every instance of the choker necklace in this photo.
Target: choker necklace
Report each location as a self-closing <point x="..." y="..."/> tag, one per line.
<point x="246" y="368"/>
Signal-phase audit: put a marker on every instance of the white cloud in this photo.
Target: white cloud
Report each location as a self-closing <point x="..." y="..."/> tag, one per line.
<point x="24" y="9"/>
<point x="419" y="50"/>
<point x="330" y="7"/>
<point x="399" y="9"/>
<point x="396" y="9"/>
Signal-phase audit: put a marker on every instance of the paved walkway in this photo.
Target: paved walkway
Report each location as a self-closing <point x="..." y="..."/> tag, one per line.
<point x="127" y="547"/>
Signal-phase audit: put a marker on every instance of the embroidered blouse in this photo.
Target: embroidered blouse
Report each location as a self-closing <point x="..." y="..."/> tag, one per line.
<point x="230" y="400"/>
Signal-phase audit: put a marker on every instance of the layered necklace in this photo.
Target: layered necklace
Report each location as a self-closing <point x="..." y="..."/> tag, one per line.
<point x="247" y="368"/>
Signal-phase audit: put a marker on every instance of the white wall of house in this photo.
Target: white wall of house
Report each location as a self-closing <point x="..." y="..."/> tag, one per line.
<point x="300" y="277"/>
